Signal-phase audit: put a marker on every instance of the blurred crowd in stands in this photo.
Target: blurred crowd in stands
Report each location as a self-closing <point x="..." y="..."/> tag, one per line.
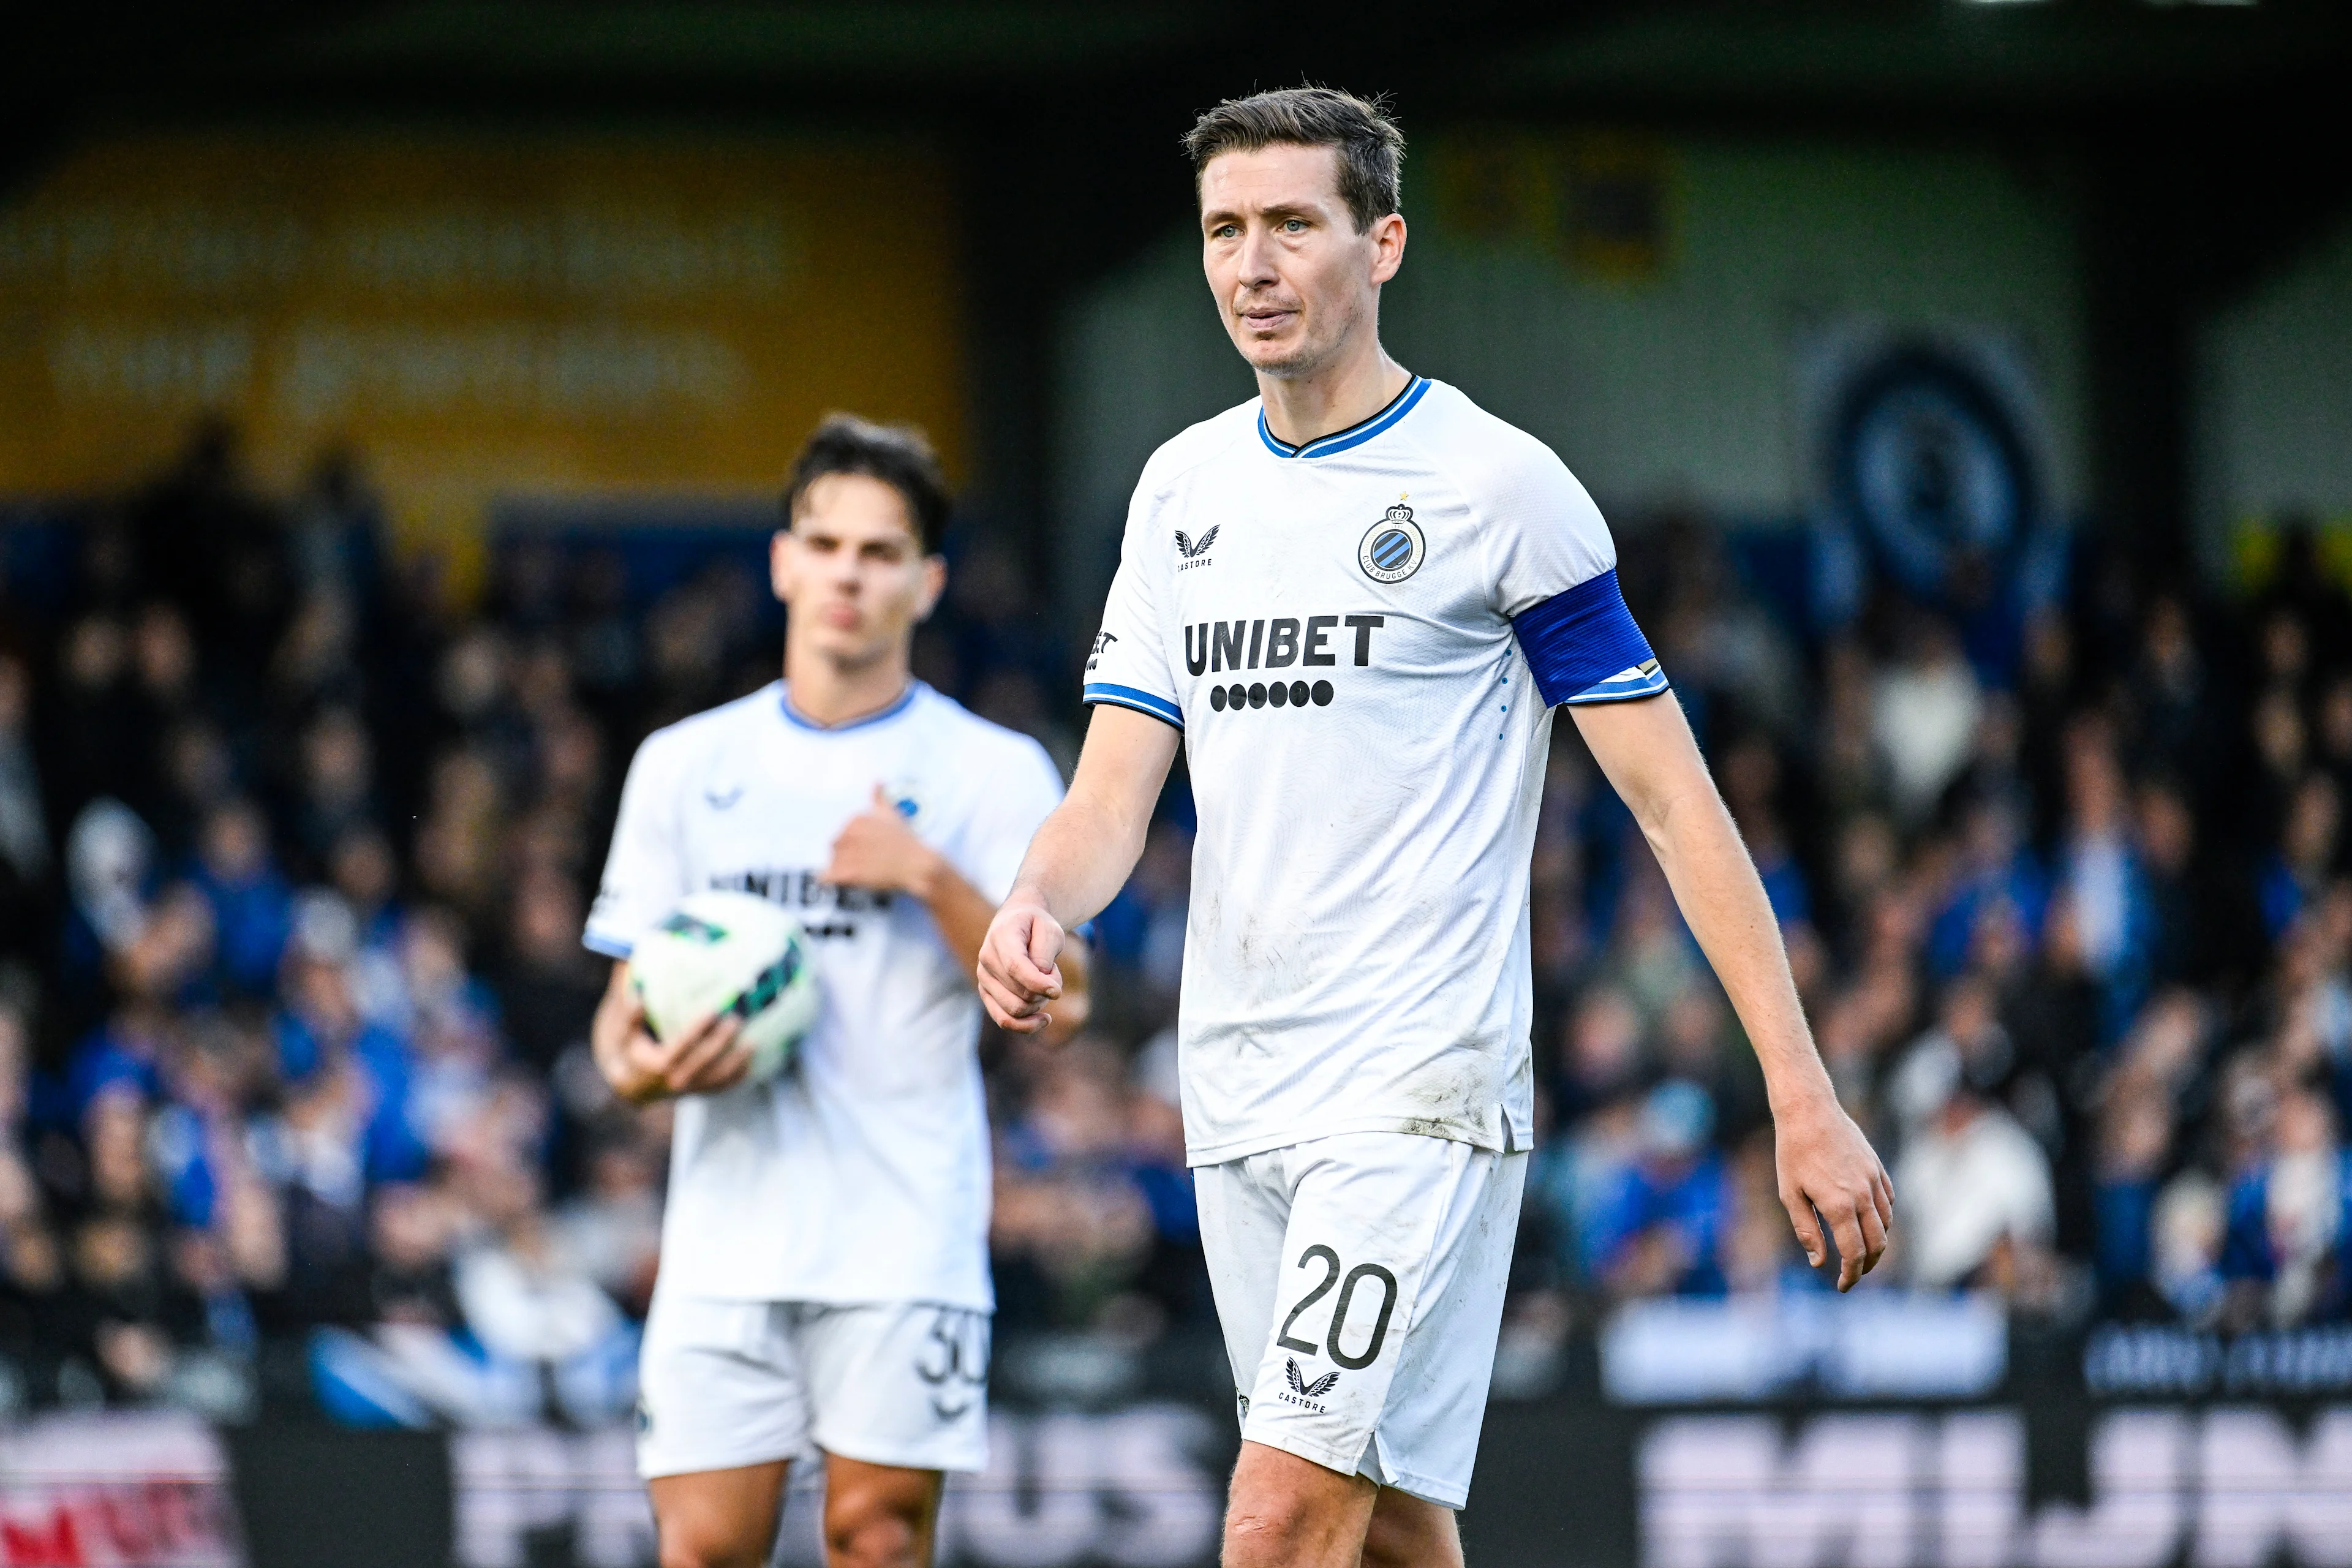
<point x="2064" y="889"/>
<point x="295" y="844"/>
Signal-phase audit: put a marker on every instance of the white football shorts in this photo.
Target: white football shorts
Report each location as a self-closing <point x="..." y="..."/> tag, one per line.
<point x="1359" y="1280"/>
<point x="727" y="1384"/>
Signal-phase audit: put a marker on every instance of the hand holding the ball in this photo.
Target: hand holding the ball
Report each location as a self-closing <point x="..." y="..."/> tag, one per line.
<point x="704" y="1058"/>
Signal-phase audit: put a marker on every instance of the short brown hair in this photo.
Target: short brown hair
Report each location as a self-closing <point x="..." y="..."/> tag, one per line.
<point x="897" y="455"/>
<point x="1370" y="147"/>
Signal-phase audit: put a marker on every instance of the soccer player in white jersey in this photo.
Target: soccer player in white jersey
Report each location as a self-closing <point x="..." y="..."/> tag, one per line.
<point x="1354" y="601"/>
<point x="824" y="1284"/>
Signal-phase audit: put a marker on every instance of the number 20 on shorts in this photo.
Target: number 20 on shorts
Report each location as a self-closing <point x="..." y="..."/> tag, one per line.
<point x="1347" y="1279"/>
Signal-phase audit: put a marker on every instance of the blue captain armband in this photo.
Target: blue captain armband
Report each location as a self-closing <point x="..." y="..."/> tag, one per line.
<point x="1583" y="645"/>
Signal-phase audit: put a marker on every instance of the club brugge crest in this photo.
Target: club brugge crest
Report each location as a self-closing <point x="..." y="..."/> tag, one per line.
<point x="1392" y="550"/>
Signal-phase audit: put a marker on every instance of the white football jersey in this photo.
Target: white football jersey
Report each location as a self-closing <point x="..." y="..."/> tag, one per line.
<point x="862" y="1172"/>
<point x="1362" y="639"/>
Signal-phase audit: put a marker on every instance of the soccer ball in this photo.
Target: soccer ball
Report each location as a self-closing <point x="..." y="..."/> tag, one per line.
<point x="729" y="952"/>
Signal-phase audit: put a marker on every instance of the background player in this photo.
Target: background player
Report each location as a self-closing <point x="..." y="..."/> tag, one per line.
<point x="1338" y="596"/>
<point x="824" y="1276"/>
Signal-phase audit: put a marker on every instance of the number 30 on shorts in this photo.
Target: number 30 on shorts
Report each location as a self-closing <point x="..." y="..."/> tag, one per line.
<point x="1347" y="1279"/>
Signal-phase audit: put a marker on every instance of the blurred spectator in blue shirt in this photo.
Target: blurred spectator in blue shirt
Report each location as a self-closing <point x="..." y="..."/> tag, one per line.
<point x="1997" y="877"/>
<point x="2114" y="919"/>
<point x="2186" y="1232"/>
<point x="252" y="909"/>
<point x="1657" y="1228"/>
<point x="1750" y="776"/>
<point x="2287" y="1222"/>
<point x="320" y="1029"/>
<point x="2307" y="852"/>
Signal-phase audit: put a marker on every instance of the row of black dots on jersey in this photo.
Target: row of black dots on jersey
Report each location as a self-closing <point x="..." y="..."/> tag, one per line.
<point x="1263" y="694"/>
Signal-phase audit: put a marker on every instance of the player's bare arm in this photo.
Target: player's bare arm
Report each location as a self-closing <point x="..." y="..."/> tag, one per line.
<point x="704" y="1059"/>
<point x="1076" y="864"/>
<point x="1646" y="748"/>
<point x="878" y="848"/>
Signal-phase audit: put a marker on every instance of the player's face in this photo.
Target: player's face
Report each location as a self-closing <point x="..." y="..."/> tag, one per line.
<point x="853" y="572"/>
<point x="1293" y="280"/>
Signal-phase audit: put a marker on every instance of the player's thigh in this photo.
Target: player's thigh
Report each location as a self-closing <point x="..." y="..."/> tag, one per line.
<point x="1428" y="1437"/>
<point x="719" y="1518"/>
<point x="1245" y="1210"/>
<point x="720" y="1387"/>
<point x="899" y="1384"/>
<point x="1384" y="1318"/>
<point x="879" y="1516"/>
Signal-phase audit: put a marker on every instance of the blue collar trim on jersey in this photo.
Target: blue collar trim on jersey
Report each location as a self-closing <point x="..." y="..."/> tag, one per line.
<point x="1354" y="435"/>
<point x="800" y="720"/>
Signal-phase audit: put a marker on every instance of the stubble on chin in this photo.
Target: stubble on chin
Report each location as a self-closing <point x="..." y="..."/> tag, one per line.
<point x="1300" y="360"/>
<point x="1295" y="366"/>
<point x="1307" y="356"/>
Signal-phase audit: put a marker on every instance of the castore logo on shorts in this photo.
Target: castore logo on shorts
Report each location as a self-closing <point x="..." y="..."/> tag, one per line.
<point x="1305" y="1394"/>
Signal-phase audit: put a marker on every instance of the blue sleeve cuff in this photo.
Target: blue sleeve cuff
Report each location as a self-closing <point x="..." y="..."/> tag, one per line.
<point x="1142" y="701"/>
<point x="1583" y="645"/>
<point x="610" y="946"/>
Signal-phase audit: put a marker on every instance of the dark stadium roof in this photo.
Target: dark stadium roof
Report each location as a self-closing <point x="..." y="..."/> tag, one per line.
<point x="1810" y="55"/>
<point x="2192" y="131"/>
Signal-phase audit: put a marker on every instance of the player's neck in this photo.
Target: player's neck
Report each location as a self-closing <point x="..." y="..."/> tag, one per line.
<point x="1299" y="409"/>
<point x="828" y="692"/>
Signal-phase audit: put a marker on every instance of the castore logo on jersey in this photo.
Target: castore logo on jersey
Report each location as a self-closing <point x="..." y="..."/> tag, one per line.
<point x="1194" y="551"/>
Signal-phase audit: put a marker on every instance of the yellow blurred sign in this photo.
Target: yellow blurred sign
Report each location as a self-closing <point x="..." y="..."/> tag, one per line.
<point x="1600" y="202"/>
<point x="474" y="315"/>
<point x="2257" y="546"/>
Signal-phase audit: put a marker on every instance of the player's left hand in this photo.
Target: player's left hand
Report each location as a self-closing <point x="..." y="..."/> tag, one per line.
<point x="878" y="848"/>
<point x="1826" y="1164"/>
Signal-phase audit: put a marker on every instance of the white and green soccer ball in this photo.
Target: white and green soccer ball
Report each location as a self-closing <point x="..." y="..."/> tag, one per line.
<point x="729" y="952"/>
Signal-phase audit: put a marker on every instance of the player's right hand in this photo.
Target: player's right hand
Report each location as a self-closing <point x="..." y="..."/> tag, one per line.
<point x="1019" y="972"/>
<point x="704" y="1058"/>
